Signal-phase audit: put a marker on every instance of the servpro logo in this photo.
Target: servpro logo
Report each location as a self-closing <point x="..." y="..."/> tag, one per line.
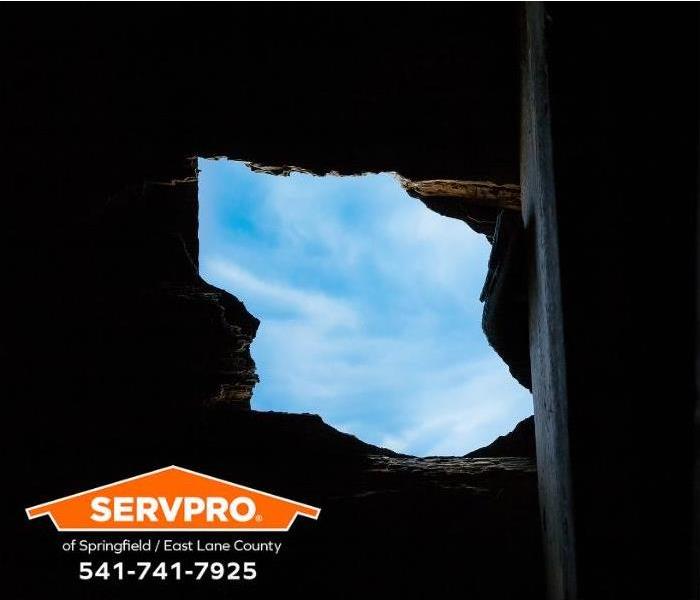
<point x="173" y="499"/>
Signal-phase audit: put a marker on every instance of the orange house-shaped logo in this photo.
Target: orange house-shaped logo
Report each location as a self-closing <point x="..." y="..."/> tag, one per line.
<point x="173" y="499"/>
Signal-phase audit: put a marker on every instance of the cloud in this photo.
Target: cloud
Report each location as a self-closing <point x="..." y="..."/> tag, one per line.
<point x="314" y="306"/>
<point x="474" y="407"/>
<point x="368" y="305"/>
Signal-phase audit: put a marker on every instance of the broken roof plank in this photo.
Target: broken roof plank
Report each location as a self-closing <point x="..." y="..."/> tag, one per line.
<point x="475" y="193"/>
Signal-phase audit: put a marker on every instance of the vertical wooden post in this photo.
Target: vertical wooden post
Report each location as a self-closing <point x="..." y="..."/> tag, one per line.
<point x="609" y="147"/>
<point x="547" y="351"/>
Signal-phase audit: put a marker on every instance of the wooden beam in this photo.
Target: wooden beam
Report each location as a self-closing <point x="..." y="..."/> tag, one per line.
<point x="548" y="361"/>
<point x="472" y="193"/>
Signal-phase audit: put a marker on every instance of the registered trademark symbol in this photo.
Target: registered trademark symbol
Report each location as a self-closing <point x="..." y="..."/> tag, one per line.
<point x="258" y="518"/>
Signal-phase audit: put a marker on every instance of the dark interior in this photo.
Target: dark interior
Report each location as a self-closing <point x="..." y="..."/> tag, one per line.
<point x="118" y="358"/>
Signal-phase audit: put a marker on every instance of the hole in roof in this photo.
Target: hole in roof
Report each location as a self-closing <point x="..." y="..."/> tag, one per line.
<point x="369" y="306"/>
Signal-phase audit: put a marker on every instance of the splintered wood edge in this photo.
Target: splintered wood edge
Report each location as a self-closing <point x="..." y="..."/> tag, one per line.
<point x="478" y="193"/>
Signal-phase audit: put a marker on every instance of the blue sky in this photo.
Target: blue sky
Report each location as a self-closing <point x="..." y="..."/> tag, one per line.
<point x="368" y="304"/>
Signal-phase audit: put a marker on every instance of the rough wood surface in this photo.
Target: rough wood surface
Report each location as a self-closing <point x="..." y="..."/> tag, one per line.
<point x="547" y="349"/>
<point x="477" y="193"/>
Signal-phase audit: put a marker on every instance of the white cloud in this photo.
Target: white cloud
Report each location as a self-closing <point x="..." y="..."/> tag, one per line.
<point x="473" y="409"/>
<point x="320" y="308"/>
